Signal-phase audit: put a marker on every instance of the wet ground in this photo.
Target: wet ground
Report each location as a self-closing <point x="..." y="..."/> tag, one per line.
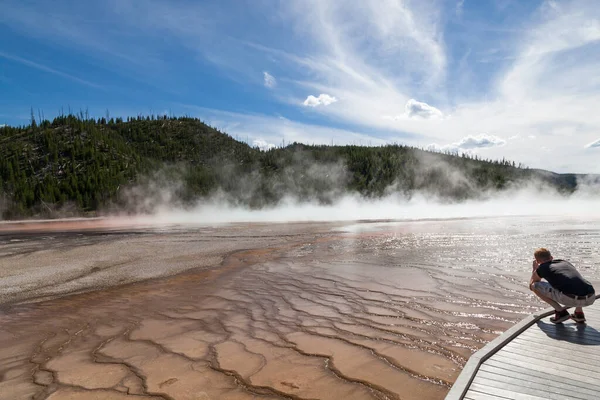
<point x="298" y="311"/>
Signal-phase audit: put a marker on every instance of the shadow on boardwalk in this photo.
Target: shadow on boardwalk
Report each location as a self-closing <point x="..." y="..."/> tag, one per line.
<point x="582" y="334"/>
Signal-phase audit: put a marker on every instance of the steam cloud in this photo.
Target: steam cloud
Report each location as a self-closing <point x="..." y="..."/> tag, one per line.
<point x="353" y="208"/>
<point x="326" y="197"/>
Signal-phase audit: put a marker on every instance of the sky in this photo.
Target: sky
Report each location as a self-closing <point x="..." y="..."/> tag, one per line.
<point x="501" y="79"/>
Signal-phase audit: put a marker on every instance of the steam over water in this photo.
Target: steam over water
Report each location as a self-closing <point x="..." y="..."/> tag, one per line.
<point x="360" y="311"/>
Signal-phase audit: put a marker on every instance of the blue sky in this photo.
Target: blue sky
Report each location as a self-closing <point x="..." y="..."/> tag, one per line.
<point x="505" y="78"/>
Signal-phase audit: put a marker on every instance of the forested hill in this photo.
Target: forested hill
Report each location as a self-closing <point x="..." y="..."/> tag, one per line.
<point x="75" y="166"/>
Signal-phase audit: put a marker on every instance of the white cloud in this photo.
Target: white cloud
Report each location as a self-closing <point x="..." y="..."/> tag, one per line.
<point x="263" y="145"/>
<point x="269" y="80"/>
<point x="469" y="143"/>
<point x="417" y="109"/>
<point x="2" y="125"/>
<point x="480" y="141"/>
<point x="323" y="99"/>
<point x="595" y="144"/>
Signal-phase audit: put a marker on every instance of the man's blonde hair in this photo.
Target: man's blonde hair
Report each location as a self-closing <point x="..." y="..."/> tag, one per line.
<point x="542" y="254"/>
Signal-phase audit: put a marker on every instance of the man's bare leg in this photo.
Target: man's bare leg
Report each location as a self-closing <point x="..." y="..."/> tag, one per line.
<point x="548" y="300"/>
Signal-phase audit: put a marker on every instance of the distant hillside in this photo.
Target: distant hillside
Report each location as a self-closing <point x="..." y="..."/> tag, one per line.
<point x="74" y="166"/>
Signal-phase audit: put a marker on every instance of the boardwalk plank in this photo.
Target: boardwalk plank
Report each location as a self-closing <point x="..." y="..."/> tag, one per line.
<point x="566" y="337"/>
<point x="552" y="358"/>
<point x="591" y="320"/>
<point x="560" y="341"/>
<point x="568" y="331"/>
<point x="483" y="396"/>
<point x="587" y="338"/>
<point x="574" y="351"/>
<point x="589" y="377"/>
<point x="553" y="381"/>
<point x="535" y="340"/>
<point x="503" y="380"/>
<point x="554" y="376"/>
<point x="509" y="394"/>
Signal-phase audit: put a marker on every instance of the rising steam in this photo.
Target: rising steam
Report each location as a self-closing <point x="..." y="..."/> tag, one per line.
<point x="158" y="199"/>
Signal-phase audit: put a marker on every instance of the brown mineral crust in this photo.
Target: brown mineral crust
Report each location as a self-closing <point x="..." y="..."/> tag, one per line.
<point x="273" y="313"/>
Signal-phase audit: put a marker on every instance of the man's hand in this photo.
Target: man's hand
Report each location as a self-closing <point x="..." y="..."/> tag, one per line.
<point x="534" y="276"/>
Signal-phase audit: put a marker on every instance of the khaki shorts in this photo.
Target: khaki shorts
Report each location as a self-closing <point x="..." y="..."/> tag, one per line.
<point x="545" y="289"/>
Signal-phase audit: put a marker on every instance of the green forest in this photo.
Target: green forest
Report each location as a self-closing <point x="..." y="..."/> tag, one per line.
<point x="76" y="165"/>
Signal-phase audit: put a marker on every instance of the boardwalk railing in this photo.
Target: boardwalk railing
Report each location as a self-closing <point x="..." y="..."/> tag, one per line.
<point x="462" y="384"/>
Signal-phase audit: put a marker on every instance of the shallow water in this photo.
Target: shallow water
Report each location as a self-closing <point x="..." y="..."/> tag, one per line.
<point x="367" y="310"/>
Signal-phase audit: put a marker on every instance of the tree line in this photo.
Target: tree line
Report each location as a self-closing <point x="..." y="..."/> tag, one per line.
<point x="77" y="165"/>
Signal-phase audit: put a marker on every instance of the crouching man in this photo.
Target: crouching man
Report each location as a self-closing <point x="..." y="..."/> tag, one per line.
<point x="565" y="287"/>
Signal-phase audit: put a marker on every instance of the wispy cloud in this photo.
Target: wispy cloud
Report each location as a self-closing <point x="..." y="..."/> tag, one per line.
<point x="80" y="25"/>
<point x="595" y="144"/>
<point x="460" y="4"/>
<point x="45" y="68"/>
<point x="269" y="80"/>
<point x="397" y="68"/>
<point x="357" y="48"/>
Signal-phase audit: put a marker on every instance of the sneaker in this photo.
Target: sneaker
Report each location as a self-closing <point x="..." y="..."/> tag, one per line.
<point x="560" y="316"/>
<point x="578" y="317"/>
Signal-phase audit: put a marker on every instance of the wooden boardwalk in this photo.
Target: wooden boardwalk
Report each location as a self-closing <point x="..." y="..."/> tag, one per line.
<point x="536" y="360"/>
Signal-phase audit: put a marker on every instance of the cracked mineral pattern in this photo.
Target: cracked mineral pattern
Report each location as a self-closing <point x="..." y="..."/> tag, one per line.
<point x="280" y="311"/>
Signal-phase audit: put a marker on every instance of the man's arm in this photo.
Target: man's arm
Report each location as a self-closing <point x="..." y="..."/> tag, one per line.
<point x="534" y="278"/>
<point x="534" y="275"/>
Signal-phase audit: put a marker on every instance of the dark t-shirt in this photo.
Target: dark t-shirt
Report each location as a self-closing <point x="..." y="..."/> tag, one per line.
<point x="563" y="276"/>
